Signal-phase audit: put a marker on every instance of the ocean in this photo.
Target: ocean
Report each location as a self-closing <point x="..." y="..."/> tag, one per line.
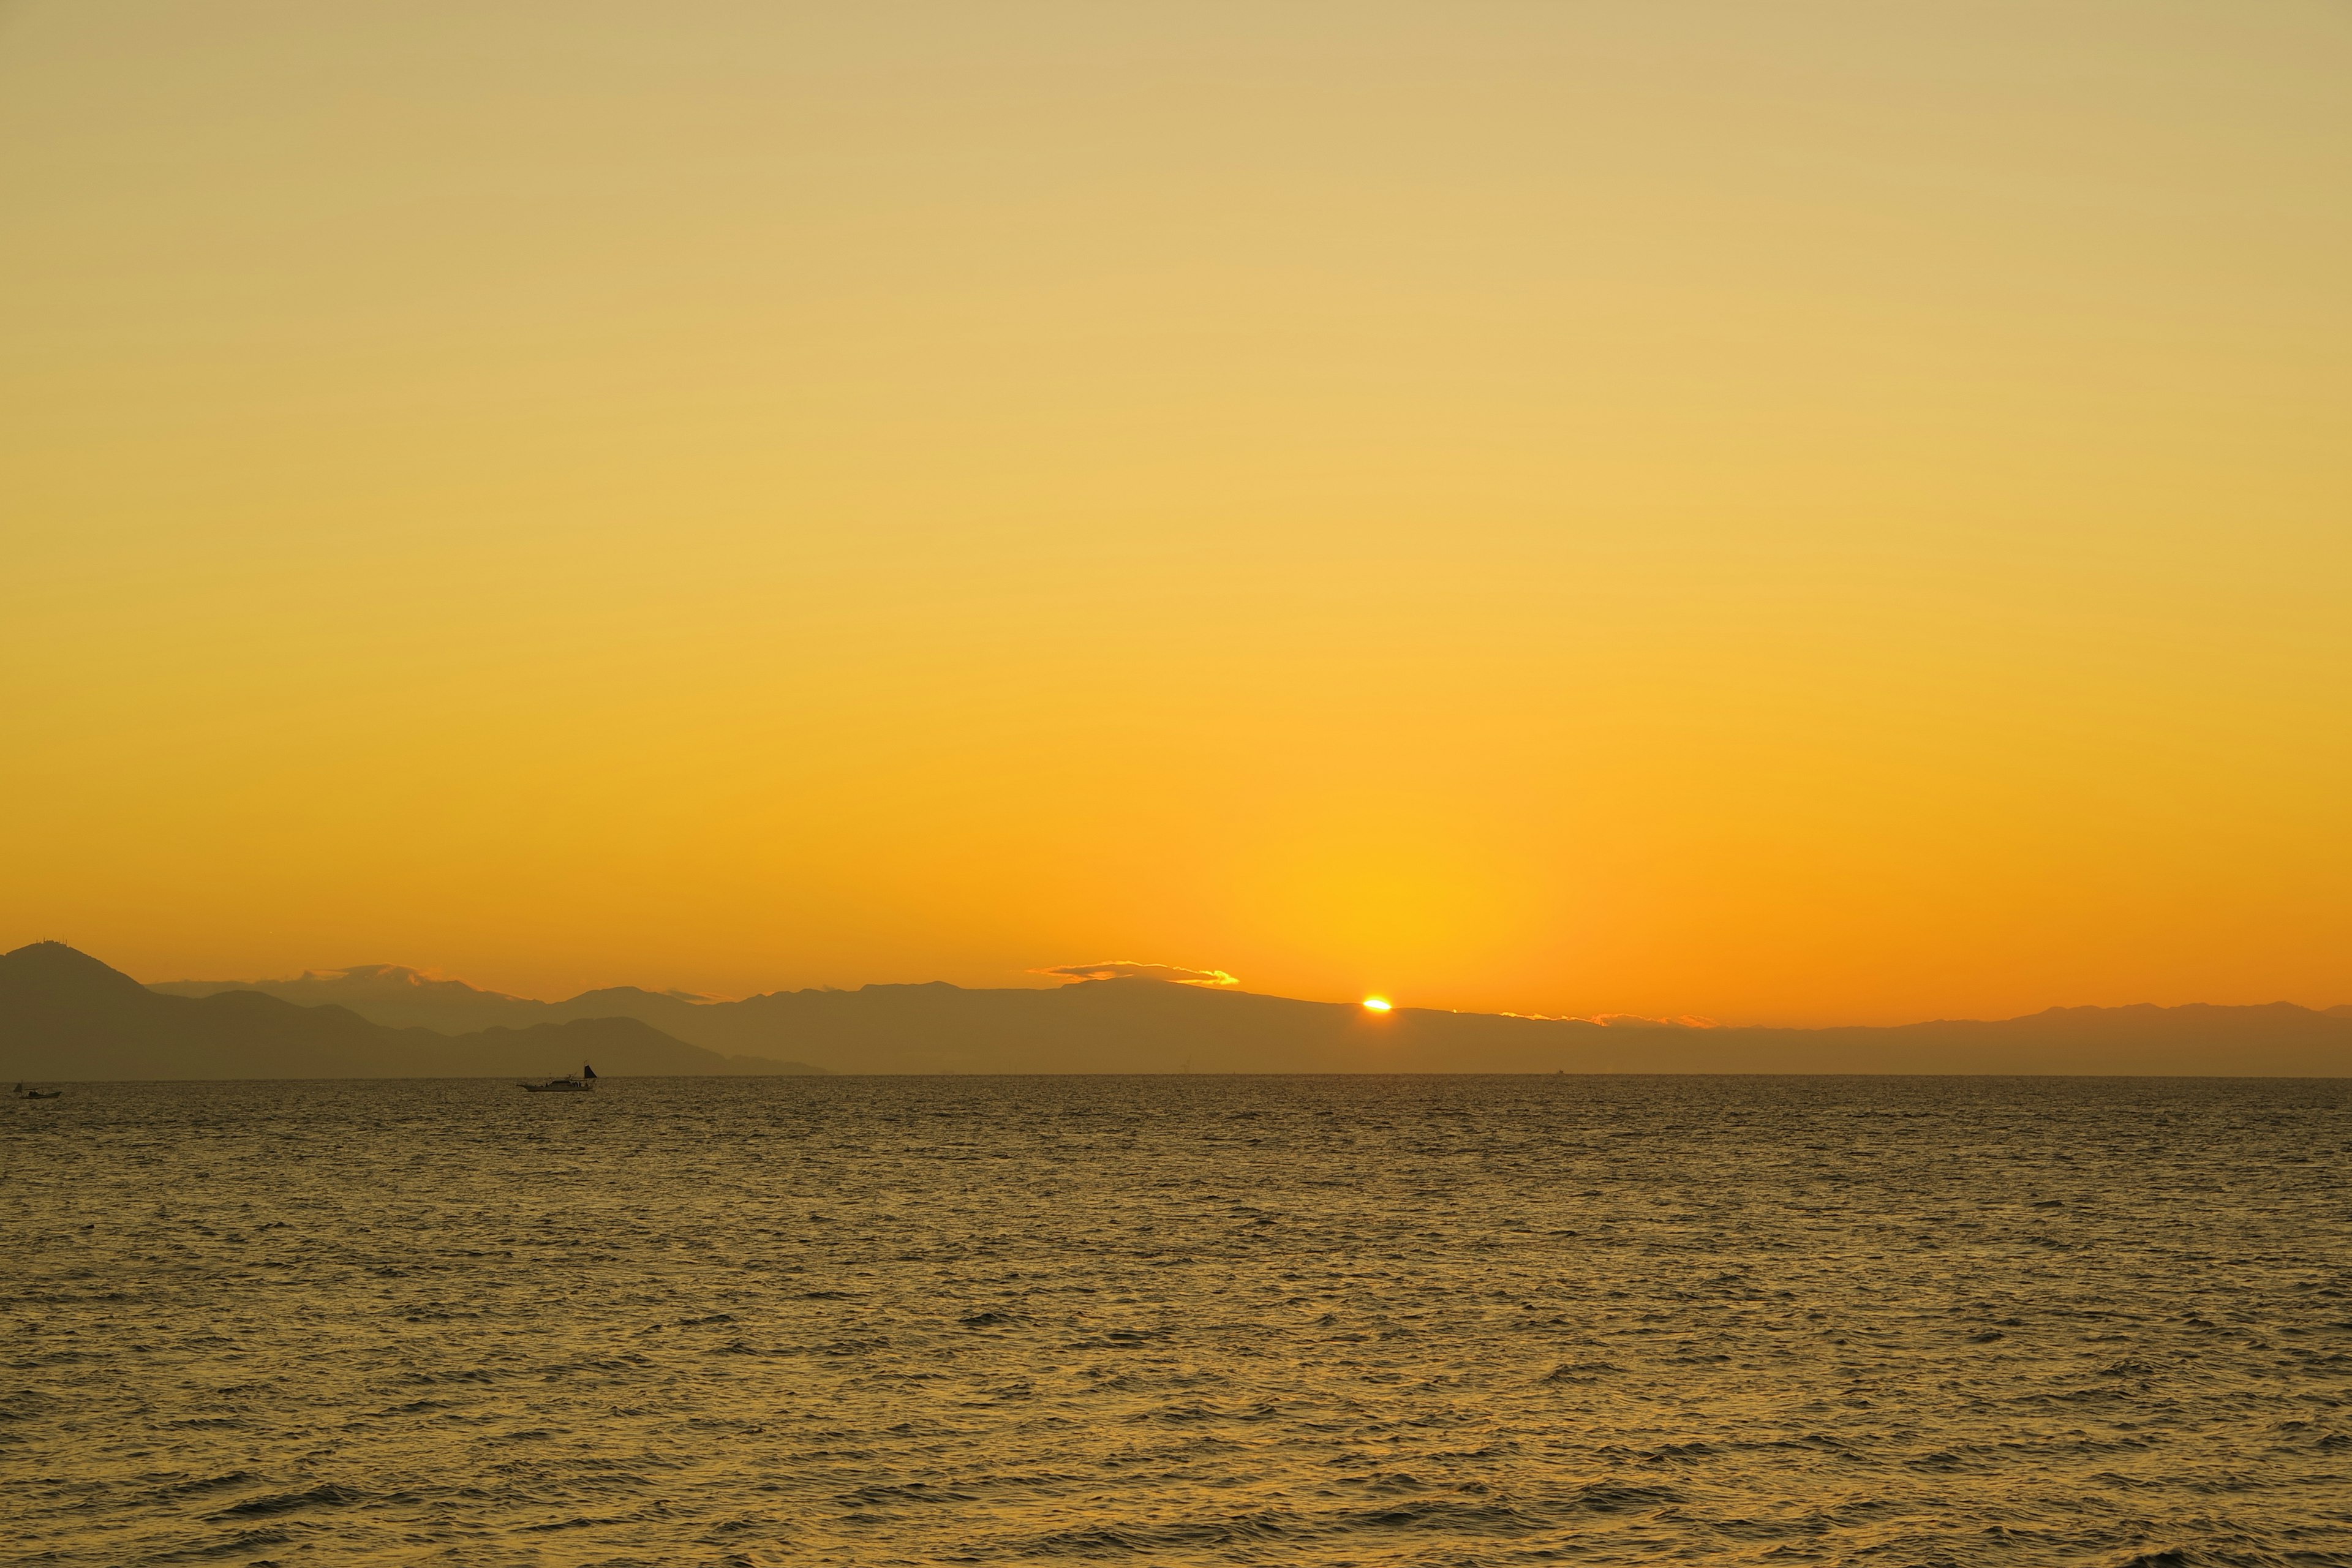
<point x="1181" y="1319"/>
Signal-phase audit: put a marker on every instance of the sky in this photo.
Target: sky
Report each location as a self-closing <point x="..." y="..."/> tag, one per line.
<point x="1805" y="513"/>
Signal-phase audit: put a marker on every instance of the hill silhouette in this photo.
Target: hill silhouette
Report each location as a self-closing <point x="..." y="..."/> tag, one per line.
<point x="388" y="994"/>
<point x="65" y="1016"/>
<point x="1140" y="1025"/>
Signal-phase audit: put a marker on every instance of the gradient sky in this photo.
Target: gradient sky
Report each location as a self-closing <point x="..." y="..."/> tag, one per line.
<point x="1807" y="512"/>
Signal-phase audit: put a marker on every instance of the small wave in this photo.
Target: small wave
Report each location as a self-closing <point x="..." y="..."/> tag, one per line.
<point x="1099" y="1540"/>
<point x="236" y="1546"/>
<point x="1453" y="1514"/>
<point x="1616" y="1497"/>
<point x="27" y="1404"/>
<point x="1580" y="1372"/>
<point x="577" y="1522"/>
<point x="211" y="1483"/>
<point x="1668" y="1453"/>
<point x="914" y="1491"/>
<point x="327" y="1496"/>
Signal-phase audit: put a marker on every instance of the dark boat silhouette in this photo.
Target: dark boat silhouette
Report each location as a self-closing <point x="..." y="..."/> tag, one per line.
<point x="580" y="1082"/>
<point x="23" y="1093"/>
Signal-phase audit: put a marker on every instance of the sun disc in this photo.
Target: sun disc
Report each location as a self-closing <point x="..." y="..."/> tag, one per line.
<point x="1376" y="1004"/>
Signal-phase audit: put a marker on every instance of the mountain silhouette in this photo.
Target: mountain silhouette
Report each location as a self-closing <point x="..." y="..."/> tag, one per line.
<point x="1139" y="1024"/>
<point x="389" y="994"/>
<point x="401" y="997"/>
<point x="65" y="1016"/>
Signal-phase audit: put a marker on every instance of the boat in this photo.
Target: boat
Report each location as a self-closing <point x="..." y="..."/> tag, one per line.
<point x="580" y="1082"/>
<point x="23" y="1093"/>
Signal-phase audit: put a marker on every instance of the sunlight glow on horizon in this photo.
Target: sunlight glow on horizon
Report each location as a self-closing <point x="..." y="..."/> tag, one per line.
<point x="1376" y="1004"/>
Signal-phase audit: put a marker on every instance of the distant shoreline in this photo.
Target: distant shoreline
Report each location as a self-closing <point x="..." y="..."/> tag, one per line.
<point x="833" y="1078"/>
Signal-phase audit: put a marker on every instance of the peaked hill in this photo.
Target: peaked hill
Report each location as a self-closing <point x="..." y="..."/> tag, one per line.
<point x="65" y="1016"/>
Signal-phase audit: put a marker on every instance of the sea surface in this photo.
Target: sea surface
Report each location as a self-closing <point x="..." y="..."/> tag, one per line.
<point x="1408" y="1320"/>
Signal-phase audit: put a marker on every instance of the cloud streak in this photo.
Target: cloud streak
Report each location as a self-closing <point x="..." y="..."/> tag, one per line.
<point x="1128" y="969"/>
<point x="1621" y="1020"/>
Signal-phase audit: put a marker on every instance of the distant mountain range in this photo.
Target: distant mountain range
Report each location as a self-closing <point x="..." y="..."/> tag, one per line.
<point x="65" y="1016"/>
<point x="406" y="998"/>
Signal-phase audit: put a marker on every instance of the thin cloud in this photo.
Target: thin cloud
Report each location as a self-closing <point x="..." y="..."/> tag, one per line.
<point x="1128" y="969"/>
<point x="1621" y="1020"/>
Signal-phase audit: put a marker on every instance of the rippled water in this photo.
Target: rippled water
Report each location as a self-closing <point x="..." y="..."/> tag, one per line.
<point x="1189" y="1319"/>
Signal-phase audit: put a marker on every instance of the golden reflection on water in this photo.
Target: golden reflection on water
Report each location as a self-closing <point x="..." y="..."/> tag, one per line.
<point x="1433" y="1321"/>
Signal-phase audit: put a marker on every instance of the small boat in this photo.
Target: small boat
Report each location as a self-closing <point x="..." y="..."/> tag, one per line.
<point x="23" y="1093"/>
<point x="580" y="1082"/>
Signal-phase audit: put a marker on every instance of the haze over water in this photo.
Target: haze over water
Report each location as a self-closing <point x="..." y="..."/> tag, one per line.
<point x="1185" y="1319"/>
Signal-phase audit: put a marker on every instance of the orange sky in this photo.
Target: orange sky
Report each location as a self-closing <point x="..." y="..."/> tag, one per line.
<point x="1809" y="513"/>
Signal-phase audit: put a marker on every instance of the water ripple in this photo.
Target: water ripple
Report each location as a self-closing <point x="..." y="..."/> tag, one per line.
<point x="1230" y="1321"/>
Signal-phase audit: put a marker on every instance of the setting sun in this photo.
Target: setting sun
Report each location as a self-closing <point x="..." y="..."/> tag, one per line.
<point x="1376" y="1004"/>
